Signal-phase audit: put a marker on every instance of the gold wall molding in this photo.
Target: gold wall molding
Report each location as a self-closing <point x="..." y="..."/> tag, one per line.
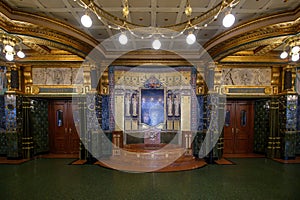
<point x="247" y="90"/>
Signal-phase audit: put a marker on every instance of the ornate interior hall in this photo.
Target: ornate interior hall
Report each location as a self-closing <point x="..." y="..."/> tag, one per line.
<point x="155" y="99"/>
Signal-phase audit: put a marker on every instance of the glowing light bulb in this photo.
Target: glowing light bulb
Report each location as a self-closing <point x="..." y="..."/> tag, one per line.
<point x="86" y="21"/>
<point x="295" y="49"/>
<point x="21" y="54"/>
<point x="191" y="38"/>
<point x="295" y="57"/>
<point x="8" y="48"/>
<point x="156" y="44"/>
<point x="9" y="56"/>
<point x="228" y="20"/>
<point x="283" y="55"/>
<point x="123" y="39"/>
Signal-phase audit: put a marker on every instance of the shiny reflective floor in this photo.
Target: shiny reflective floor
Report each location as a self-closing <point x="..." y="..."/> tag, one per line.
<point x="249" y="178"/>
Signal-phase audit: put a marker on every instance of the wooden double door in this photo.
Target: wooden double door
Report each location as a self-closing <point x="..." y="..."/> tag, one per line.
<point x="63" y="134"/>
<point x="238" y="127"/>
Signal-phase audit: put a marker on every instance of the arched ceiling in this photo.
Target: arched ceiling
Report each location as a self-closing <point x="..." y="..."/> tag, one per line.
<point x="51" y="30"/>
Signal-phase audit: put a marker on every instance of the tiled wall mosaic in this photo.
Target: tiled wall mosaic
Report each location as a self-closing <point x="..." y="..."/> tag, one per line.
<point x="261" y="125"/>
<point x="39" y="114"/>
<point x="3" y="145"/>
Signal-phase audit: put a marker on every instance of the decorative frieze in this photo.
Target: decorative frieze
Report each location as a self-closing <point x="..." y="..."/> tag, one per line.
<point x="246" y="76"/>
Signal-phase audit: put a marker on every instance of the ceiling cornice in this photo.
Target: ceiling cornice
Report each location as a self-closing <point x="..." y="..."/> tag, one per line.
<point x="31" y="25"/>
<point x="269" y="27"/>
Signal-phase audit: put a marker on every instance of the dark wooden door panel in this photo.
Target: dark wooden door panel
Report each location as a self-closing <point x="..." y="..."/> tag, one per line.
<point x="238" y="127"/>
<point x="63" y="134"/>
<point x="229" y="128"/>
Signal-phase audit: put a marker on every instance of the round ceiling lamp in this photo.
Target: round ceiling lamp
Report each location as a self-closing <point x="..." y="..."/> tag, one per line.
<point x="228" y="20"/>
<point x="123" y="39"/>
<point x="156" y="44"/>
<point x="191" y="38"/>
<point x="86" y="21"/>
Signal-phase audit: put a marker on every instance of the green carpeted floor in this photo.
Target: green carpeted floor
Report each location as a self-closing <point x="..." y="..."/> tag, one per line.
<point x="249" y="178"/>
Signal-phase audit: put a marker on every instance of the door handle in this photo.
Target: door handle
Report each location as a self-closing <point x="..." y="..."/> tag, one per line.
<point x="237" y="130"/>
<point x="232" y="130"/>
<point x="70" y="130"/>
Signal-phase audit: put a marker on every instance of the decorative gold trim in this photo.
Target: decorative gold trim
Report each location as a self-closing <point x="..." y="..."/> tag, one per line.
<point x="267" y="90"/>
<point x="68" y="38"/>
<point x="36" y="89"/>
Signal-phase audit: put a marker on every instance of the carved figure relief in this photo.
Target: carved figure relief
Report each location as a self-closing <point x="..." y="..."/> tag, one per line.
<point x="134" y="105"/>
<point x="53" y="76"/>
<point x="176" y="105"/>
<point x="246" y="76"/>
<point x="58" y="76"/>
<point x="39" y="76"/>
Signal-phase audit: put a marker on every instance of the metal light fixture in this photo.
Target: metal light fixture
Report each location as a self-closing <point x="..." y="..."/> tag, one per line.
<point x="9" y="43"/>
<point x="125" y="10"/>
<point x="116" y="23"/>
<point x="188" y="9"/>
<point x="122" y="24"/>
<point x="291" y="48"/>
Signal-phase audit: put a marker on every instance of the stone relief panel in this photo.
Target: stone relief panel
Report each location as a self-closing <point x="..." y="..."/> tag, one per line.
<point x="77" y="76"/>
<point x="39" y="76"/>
<point x="137" y="79"/>
<point x="246" y="76"/>
<point x="53" y="76"/>
<point x="59" y="76"/>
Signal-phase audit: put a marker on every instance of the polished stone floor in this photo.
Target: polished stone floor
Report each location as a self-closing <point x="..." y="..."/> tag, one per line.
<point x="249" y="178"/>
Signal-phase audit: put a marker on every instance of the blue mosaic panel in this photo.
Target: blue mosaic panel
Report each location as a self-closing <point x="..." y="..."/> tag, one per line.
<point x="261" y="126"/>
<point x="288" y="125"/>
<point x="200" y="101"/>
<point x="298" y="128"/>
<point x="111" y="78"/>
<point x="105" y="112"/>
<point x="3" y="145"/>
<point x="13" y="113"/>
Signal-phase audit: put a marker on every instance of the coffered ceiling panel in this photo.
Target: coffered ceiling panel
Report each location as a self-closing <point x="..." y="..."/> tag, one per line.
<point x="203" y="3"/>
<point x="152" y="13"/>
<point x="165" y="19"/>
<point x="141" y="18"/>
<point x="50" y="4"/>
<point x="168" y="3"/>
<point x="260" y="4"/>
<point x="139" y="3"/>
<point x="111" y="3"/>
